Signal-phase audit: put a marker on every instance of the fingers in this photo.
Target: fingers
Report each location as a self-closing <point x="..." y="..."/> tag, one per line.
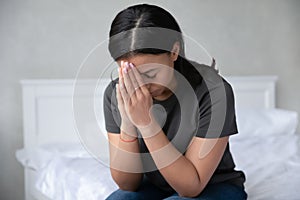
<point x="137" y="86"/>
<point x="129" y="83"/>
<point x="139" y="80"/>
<point x="122" y="88"/>
<point x="119" y="96"/>
<point x="127" y="80"/>
<point x="132" y="77"/>
<point x="132" y="82"/>
<point x="121" y="78"/>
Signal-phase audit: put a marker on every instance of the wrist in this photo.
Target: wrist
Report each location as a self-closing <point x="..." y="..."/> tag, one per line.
<point x="150" y="130"/>
<point x="127" y="138"/>
<point x="127" y="127"/>
<point x="128" y="130"/>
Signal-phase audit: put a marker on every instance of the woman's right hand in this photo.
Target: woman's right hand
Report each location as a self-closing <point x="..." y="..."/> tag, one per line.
<point x="126" y="125"/>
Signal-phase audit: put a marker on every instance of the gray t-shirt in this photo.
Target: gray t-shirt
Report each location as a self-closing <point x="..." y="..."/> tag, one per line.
<point x="207" y="112"/>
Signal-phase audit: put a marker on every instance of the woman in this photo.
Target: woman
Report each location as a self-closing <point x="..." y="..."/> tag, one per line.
<point x="163" y="143"/>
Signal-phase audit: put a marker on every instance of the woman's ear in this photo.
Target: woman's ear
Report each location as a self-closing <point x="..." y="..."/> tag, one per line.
<point x="175" y="51"/>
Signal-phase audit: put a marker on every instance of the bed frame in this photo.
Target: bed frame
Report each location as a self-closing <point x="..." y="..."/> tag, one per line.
<point x="48" y="114"/>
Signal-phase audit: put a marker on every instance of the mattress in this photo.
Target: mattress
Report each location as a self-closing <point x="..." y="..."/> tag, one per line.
<point x="266" y="149"/>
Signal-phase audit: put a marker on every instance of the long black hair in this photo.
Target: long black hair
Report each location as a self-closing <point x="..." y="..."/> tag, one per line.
<point x="126" y="40"/>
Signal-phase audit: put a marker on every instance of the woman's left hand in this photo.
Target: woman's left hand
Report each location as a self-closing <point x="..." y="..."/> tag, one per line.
<point x="137" y="98"/>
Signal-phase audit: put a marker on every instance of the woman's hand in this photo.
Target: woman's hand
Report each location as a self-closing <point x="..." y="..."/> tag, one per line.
<point x="126" y="125"/>
<point x="137" y="99"/>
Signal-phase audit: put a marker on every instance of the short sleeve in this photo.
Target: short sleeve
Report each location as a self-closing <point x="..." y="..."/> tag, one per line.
<point x="111" y="113"/>
<point x="216" y="111"/>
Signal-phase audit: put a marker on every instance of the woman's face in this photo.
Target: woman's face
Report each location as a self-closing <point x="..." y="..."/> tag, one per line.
<point x="157" y="72"/>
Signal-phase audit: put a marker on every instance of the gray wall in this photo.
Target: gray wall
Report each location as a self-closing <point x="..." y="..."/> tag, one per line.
<point x="49" y="39"/>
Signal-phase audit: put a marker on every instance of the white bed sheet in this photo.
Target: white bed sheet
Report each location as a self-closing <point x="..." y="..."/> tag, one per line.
<point x="269" y="156"/>
<point x="67" y="178"/>
<point x="270" y="174"/>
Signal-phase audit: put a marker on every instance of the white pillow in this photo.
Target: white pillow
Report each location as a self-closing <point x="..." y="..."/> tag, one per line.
<point x="265" y="144"/>
<point x="38" y="157"/>
<point x="265" y="136"/>
<point x="265" y="122"/>
<point x="264" y="159"/>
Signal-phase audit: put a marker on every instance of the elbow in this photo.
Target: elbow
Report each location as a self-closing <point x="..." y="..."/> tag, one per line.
<point x="127" y="187"/>
<point x="193" y="189"/>
<point x="127" y="182"/>
<point x="191" y="192"/>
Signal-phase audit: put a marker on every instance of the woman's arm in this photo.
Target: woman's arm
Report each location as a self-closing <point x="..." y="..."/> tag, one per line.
<point x="188" y="174"/>
<point x="125" y="162"/>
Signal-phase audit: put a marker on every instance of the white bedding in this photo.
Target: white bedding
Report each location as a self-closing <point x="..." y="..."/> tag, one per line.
<point x="268" y="153"/>
<point x="75" y="178"/>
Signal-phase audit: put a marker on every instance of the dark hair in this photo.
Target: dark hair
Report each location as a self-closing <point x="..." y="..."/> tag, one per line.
<point x="128" y="40"/>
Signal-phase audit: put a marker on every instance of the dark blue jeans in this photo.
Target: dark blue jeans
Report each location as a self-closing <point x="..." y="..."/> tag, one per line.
<point x="147" y="191"/>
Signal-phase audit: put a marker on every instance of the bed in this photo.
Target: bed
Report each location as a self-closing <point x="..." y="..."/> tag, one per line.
<point x="59" y="163"/>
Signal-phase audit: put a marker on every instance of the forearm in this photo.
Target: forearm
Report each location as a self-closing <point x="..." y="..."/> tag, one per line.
<point x="125" y="162"/>
<point x="171" y="163"/>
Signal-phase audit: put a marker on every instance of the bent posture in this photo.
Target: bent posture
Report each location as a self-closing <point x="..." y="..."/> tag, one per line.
<point x="168" y="118"/>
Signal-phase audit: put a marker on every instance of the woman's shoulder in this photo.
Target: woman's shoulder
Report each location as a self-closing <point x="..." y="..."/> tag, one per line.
<point x="204" y="69"/>
<point x="211" y="79"/>
<point x="111" y="86"/>
<point x="110" y="90"/>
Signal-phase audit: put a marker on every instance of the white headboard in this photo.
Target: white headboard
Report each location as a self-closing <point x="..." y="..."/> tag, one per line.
<point x="254" y="91"/>
<point x="47" y="105"/>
